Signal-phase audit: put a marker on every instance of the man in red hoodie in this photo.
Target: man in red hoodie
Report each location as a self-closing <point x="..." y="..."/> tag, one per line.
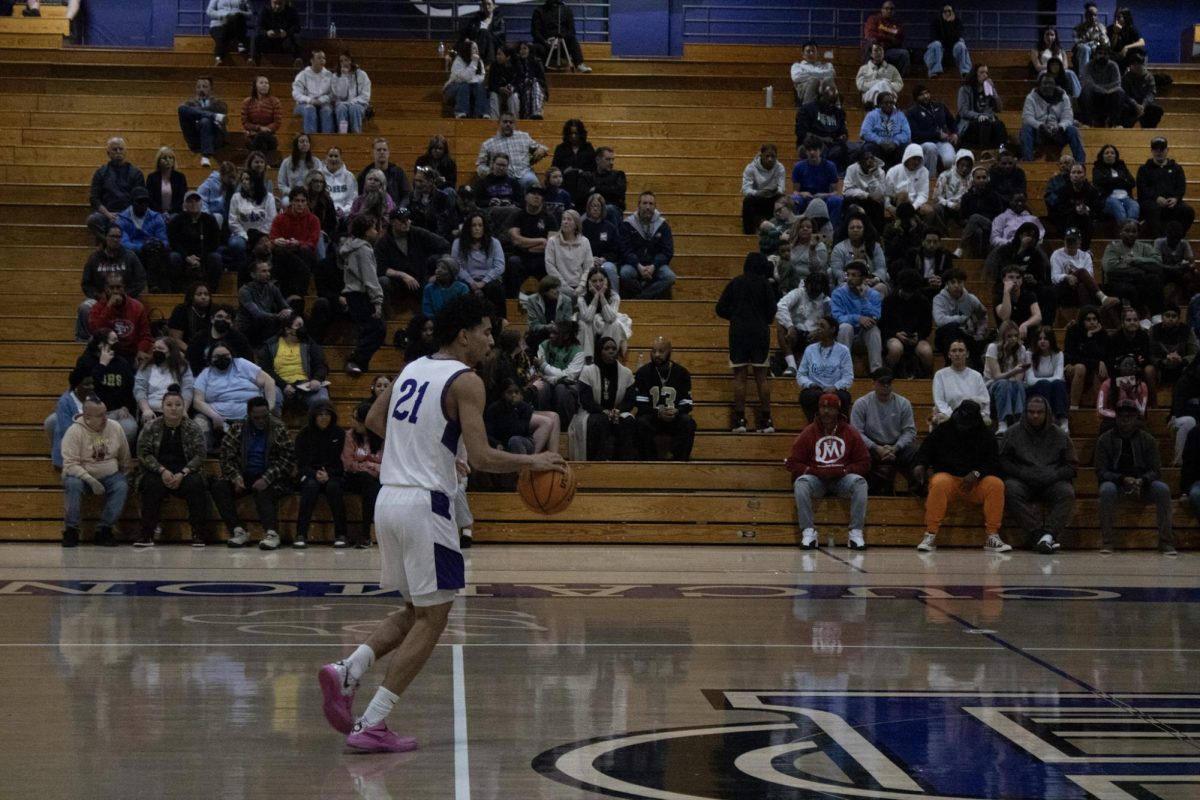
<point x="830" y="456"/>
<point x="126" y="317"/>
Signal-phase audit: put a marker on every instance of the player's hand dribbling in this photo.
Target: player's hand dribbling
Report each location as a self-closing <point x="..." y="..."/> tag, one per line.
<point x="548" y="461"/>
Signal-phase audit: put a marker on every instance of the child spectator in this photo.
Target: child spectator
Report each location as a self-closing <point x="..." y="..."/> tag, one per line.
<point x="507" y="420"/>
<point x="444" y="287"/>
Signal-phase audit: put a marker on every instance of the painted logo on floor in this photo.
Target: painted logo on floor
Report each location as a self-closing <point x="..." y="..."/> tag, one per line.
<point x="935" y="745"/>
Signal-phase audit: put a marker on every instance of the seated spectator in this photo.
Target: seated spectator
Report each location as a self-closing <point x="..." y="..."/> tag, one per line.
<point x="529" y="232"/>
<point x="806" y="254"/>
<point x="748" y="302"/>
<point x="1140" y="92"/>
<point x="112" y="379"/>
<point x="418" y="339"/>
<point x="877" y="77"/>
<point x="798" y="316"/>
<point x="813" y="178"/>
<point x="110" y="258"/>
<point x="947" y="45"/>
<point x="202" y="121"/>
<point x="362" y="297"/>
<point x="223" y="388"/>
<point x="1132" y="338"/>
<point x="1174" y="346"/>
<point x="296" y="364"/>
<point x="374" y="200"/>
<point x="95" y="461"/>
<point x="251" y="215"/>
<point x="979" y="108"/>
<point x="530" y="82"/>
<point x="1133" y="271"/>
<point x="502" y="83"/>
<point x="1048" y="47"/>
<point x="610" y="183"/>
<point x="508" y="420"/>
<point x="1179" y="268"/>
<point x="1046" y="376"/>
<point x="958" y="314"/>
<point x="319" y="470"/>
<point x="859" y="245"/>
<point x="351" y="94"/>
<point x="1058" y="181"/>
<point x="486" y="26"/>
<point x="217" y="330"/>
<point x="167" y="368"/>
<point x="112" y="188"/>
<point x="343" y="188"/>
<point x="1127" y="465"/>
<point x="1124" y="387"/>
<point x="1016" y="301"/>
<point x="559" y="361"/>
<point x="444" y="287"/>
<point x="902" y="237"/>
<point x="810" y="76"/>
<point x="216" y="191"/>
<point x="227" y="26"/>
<point x="605" y="428"/>
<point x="1039" y="463"/>
<point x="313" y="91"/>
<point x="1161" y="185"/>
<point x="829" y="456"/>
<point x="262" y="114"/>
<point x="1064" y="78"/>
<point x="545" y="308"/>
<point x="825" y="120"/>
<point x="763" y="181"/>
<point x="957" y="383"/>
<point x="362" y="456"/>
<point x="773" y="233"/>
<point x="885" y="130"/>
<point x="906" y="320"/>
<point x="1084" y="351"/>
<point x="1072" y="272"/>
<point x="888" y="32"/>
<point x="884" y="419"/>
<point x="1047" y="119"/>
<point x="1127" y="41"/>
<point x="144" y="233"/>
<point x="664" y="404"/>
<point x="1007" y="225"/>
<point x="195" y="239"/>
<point x="1115" y="183"/>
<point x="171" y="462"/>
<point x="599" y="314"/>
<point x="404" y="253"/>
<point x="295" y="168"/>
<point x="498" y="188"/>
<point x="294" y="237"/>
<point x="557" y="199"/>
<point x="931" y="262"/>
<point x="432" y="208"/>
<point x="647" y="248"/>
<point x="576" y="157"/>
<point x="68" y="407"/>
<point x="395" y="181"/>
<point x="963" y="462"/>
<point x="864" y="185"/>
<point x="908" y="182"/>
<point x="553" y="25"/>
<point x="466" y="85"/>
<point x="1076" y="205"/>
<point x="437" y="157"/>
<point x="258" y="458"/>
<point x="569" y="257"/>
<point x="826" y="366"/>
<point x="278" y="32"/>
<point x="115" y="310"/>
<point x="1004" y="368"/>
<point x="934" y="128"/>
<point x="521" y="149"/>
<point x="1185" y="408"/>
<point x="481" y="261"/>
<point x="262" y="308"/>
<point x="857" y="308"/>
<point x="1007" y="178"/>
<point x="1102" y="101"/>
<point x="1088" y="33"/>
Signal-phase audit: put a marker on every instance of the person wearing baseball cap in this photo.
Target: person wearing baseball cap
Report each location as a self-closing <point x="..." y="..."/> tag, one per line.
<point x="886" y="423"/>
<point x="1127" y="466"/>
<point x="195" y="238"/>
<point x="144" y="233"/>
<point x="829" y="456"/>
<point x="1161" y="184"/>
<point x="1074" y="275"/>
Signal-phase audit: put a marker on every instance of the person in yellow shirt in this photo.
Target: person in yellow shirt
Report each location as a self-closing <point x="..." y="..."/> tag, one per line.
<point x="297" y="365"/>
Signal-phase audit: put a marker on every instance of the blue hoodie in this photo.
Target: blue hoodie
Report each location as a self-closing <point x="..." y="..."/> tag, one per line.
<point x="881" y="128"/>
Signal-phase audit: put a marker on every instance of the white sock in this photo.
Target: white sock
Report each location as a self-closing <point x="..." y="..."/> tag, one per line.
<point x="790" y="358"/>
<point x="359" y="662"/>
<point x="381" y="705"/>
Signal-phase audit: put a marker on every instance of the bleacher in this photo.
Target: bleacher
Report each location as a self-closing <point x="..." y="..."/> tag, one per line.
<point x="682" y="128"/>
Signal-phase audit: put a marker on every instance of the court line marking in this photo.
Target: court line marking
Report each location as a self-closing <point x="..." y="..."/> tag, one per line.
<point x="663" y="645"/>
<point x="462" y="764"/>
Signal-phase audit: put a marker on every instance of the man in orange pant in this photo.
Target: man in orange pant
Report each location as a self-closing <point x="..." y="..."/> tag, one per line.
<point x="964" y="461"/>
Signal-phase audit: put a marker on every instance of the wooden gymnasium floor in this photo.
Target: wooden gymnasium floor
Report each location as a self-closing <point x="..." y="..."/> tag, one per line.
<point x="597" y="671"/>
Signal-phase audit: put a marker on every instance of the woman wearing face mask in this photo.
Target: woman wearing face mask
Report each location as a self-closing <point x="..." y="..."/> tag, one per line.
<point x="297" y="365"/>
<point x="167" y="368"/>
<point x="222" y="389"/>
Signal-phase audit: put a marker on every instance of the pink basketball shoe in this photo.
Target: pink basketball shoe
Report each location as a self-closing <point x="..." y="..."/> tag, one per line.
<point x="339" y="696"/>
<point x="378" y="739"/>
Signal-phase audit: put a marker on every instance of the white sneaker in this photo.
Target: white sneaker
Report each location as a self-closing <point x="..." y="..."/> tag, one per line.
<point x="204" y="161"/>
<point x="928" y="543"/>
<point x="270" y="541"/>
<point x="808" y="539"/>
<point x="240" y="538"/>
<point x="995" y="544"/>
<point x="789" y="372"/>
<point x="1047" y="544"/>
<point x="1065" y="425"/>
<point x="582" y="68"/>
<point x="1001" y="427"/>
<point x="857" y="542"/>
<point x="220" y="118"/>
<point x="958" y="252"/>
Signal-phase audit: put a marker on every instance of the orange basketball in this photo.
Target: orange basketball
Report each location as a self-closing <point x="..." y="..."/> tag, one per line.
<point x="547" y="492"/>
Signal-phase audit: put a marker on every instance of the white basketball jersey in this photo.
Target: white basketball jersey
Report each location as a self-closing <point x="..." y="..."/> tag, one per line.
<point x="420" y="444"/>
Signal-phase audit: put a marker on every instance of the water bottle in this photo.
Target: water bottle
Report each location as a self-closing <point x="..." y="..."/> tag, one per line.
<point x="770" y="90"/>
<point x="441" y="49"/>
<point x="332" y="29"/>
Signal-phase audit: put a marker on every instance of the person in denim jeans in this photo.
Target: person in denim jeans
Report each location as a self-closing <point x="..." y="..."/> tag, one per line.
<point x="95" y="459"/>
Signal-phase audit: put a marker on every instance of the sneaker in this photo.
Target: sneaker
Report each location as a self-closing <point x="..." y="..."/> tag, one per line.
<point x="1047" y="545"/>
<point x="300" y="542"/>
<point x="808" y="539"/>
<point x="205" y="161"/>
<point x="459" y="115"/>
<point x="198" y="540"/>
<point x="340" y="543"/>
<point x="365" y="544"/>
<point x="353" y="369"/>
<point x="270" y="541"/>
<point x="789" y="372"/>
<point x="739" y="423"/>
<point x="31" y="12"/>
<point x="1106" y="549"/>
<point x="1064" y="425"/>
<point x="220" y="119"/>
<point x="218" y="62"/>
<point x="583" y="68"/>
<point x="856" y="542"/>
<point x="1109" y="301"/>
<point x="958" y="252"/>
<point x="104" y="537"/>
<point x="70" y="537"/>
<point x="1001" y="427"/>
<point x="240" y="538"/>
<point x="928" y="543"/>
<point x="378" y="739"/>
<point x="465" y="539"/>
<point x="995" y="544"/>
<point x="1168" y="550"/>
<point x="145" y="540"/>
<point x="765" y="423"/>
<point x="338" y="691"/>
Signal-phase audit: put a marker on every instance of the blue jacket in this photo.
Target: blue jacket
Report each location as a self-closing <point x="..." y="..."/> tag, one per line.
<point x="927" y="123"/>
<point x="154" y="226"/>
<point x="64" y="415"/>
<point x="879" y="128"/>
<point x="847" y="306"/>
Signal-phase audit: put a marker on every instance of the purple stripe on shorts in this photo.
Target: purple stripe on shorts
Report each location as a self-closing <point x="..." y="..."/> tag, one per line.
<point x="439" y="504"/>
<point x="448" y="565"/>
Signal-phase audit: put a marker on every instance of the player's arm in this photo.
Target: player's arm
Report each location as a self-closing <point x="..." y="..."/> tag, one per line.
<point x="465" y="400"/>
<point x="378" y="415"/>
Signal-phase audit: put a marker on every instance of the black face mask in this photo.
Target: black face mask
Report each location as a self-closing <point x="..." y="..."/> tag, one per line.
<point x="222" y="362"/>
<point x="159" y="357"/>
<point x="221" y="326"/>
<point x="301" y="334"/>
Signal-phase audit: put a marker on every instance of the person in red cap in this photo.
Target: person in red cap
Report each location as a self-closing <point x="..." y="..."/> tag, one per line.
<point x="828" y="456"/>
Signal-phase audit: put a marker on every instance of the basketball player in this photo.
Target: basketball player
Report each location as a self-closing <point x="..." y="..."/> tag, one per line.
<point x="434" y="407"/>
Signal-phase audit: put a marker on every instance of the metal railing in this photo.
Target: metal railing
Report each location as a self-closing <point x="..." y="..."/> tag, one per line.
<point x="408" y="18"/>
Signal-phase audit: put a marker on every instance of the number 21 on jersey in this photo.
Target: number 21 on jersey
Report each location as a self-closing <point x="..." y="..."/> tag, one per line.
<point x="403" y="410"/>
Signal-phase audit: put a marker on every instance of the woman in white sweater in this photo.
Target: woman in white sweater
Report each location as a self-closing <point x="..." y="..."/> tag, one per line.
<point x="1045" y="378"/>
<point x="569" y="255"/>
<point x="466" y="86"/>
<point x="599" y="315"/>
<point x="351" y="94"/>
<point x="958" y="382"/>
<point x="251" y="212"/>
<point x="295" y="168"/>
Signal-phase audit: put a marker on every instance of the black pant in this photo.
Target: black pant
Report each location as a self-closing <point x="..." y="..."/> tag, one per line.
<point x="1146" y="292"/>
<point x="209" y="270"/>
<point x="366" y="486"/>
<point x="610" y="441"/>
<point x="262" y="43"/>
<point x="755" y="209"/>
<point x="1101" y="109"/>
<point x="682" y="430"/>
<point x="493" y="292"/>
<point x="225" y="496"/>
<point x="334" y="492"/>
<point x="227" y="35"/>
<point x="293" y="269"/>
<point x="262" y="142"/>
<point x="811" y="397"/>
<point x="1157" y="218"/>
<point x="191" y="490"/>
<point x="372" y="330"/>
<point x="157" y="261"/>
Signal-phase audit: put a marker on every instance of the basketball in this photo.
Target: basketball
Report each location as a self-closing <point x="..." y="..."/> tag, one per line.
<point x="547" y="492"/>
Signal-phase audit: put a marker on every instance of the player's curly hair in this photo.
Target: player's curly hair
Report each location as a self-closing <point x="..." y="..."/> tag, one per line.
<point x="462" y="313"/>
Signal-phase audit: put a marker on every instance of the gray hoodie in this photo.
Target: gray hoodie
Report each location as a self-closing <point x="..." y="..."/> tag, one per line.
<point x="357" y="260"/>
<point x="1039" y="111"/>
<point x="1038" y="456"/>
<point x="754" y="177"/>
